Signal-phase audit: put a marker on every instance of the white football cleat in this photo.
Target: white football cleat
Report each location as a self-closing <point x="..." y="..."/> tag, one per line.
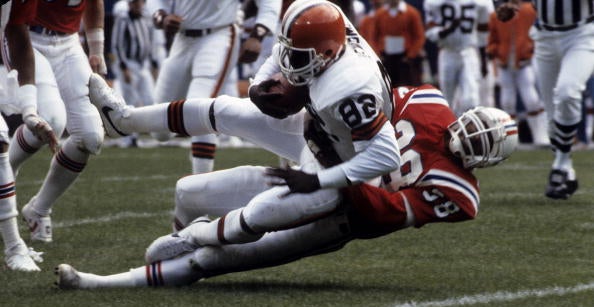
<point x="39" y="226"/>
<point x="172" y="245"/>
<point x="111" y="106"/>
<point x="21" y="258"/>
<point x="68" y="277"/>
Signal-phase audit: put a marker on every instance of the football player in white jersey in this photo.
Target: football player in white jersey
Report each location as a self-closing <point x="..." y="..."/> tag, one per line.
<point x="18" y="94"/>
<point x="349" y="109"/>
<point x="459" y="27"/>
<point x="204" y="52"/>
<point x="439" y="187"/>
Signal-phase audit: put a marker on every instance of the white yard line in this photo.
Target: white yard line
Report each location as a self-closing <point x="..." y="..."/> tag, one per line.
<point x="502" y="296"/>
<point x="110" y="218"/>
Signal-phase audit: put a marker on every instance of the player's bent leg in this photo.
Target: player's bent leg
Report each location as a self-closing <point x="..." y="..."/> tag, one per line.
<point x="270" y="210"/>
<point x="274" y="248"/>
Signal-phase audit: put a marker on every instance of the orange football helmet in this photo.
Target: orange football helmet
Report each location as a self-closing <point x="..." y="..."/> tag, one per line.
<point x="313" y="35"/>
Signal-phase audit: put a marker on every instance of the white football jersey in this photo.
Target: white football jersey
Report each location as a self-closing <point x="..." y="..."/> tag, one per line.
<point x="470" y="13"/>
<point x="205" y="14"/>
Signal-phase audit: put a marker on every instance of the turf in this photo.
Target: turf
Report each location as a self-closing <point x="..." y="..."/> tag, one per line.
<point x="521" y="250"/>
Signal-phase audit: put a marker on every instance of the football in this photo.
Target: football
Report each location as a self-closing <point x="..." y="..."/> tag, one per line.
<point x="293" y="97"/>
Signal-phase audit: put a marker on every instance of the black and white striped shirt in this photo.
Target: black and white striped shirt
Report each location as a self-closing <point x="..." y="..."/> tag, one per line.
<point x="132" y="40"/>
<point x="563" y="14"/>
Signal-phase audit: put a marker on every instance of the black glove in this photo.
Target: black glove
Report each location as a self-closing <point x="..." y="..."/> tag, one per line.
<point x="297" y="181"/>
<point x="267" y="101"/>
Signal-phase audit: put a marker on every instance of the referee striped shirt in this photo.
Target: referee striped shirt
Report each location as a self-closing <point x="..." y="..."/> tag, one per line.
<point x="564" y="14"/>
<point x="132" y="39"/>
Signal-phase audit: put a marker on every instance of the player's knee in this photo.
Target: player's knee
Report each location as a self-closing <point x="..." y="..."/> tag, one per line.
<point x="90" y="142"/>
<point x="183" y="202"/>
<point x="568" y="93"/>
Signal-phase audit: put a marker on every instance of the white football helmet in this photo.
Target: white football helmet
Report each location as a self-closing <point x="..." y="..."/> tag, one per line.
<point x="483" y="136"/>
<point x="313" y="35"/>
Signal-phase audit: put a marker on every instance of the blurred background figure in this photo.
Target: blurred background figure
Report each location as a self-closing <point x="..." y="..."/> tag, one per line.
<point x="136" y="51"/>
<point x="460" y="28"/>
<point x="512" y="48"/>
<point x="400" y="35"/>
<point x="368" y="23"/>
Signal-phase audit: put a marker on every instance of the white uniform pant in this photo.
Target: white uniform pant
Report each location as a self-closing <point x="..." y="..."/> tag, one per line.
<point x="71" y="70"/>
<point x="219" y="192"/>
<point x="564" y="63"/>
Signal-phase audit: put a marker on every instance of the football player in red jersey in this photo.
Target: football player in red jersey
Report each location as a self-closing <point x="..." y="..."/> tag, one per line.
<point x="18" y="96"/>
<point x="434" y="184"/>
<point x="64" y="69"/>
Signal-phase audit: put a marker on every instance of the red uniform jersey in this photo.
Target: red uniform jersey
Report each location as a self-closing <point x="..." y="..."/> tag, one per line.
<point x="22" y="12"/>
<point x="60" y="15"/>
<point x="431" y="183"/>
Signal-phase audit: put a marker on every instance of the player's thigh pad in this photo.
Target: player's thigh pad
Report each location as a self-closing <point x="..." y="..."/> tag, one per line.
<point x="217" y="193"/>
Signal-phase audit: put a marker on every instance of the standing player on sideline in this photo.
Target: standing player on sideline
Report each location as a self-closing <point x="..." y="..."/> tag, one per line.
<point x="21" y="99"/>
<point x="459" y="27"/>
<point x="564" y="48"/>
<point x="54" y="34"/>
<point x="438" y="186"/>
<point x="204" y="52"/>
<point x="348" y="118"/>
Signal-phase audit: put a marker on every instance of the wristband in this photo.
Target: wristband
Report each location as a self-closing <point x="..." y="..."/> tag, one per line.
<point x="95" y="41"/>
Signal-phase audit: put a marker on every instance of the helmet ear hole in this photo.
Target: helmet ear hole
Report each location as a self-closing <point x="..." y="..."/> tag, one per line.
<point x="328" y="53"/>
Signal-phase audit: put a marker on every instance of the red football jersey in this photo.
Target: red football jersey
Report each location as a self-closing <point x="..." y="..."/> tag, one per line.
<point x="432" y="184"/>
<point x="60" y="15"/>
<point x="22" y="12"/>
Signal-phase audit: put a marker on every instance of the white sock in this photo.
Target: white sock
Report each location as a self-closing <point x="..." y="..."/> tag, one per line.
<point x="10" y="233"/>
<point x="146" y="119"/>
<point x="65" y="167"/>
<point x="22" y="146"/>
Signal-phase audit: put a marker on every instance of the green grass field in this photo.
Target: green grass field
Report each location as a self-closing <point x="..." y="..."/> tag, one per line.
<point x="522" y="250"/>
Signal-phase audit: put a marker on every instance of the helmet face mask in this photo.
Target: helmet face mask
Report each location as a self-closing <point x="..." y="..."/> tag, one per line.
<point x="313" y="35"/>
<point x="299" y="65"/>
<point x="483" y="137"/>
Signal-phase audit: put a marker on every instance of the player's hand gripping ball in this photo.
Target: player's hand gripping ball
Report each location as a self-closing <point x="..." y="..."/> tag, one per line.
<point x="278" y="98"/>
